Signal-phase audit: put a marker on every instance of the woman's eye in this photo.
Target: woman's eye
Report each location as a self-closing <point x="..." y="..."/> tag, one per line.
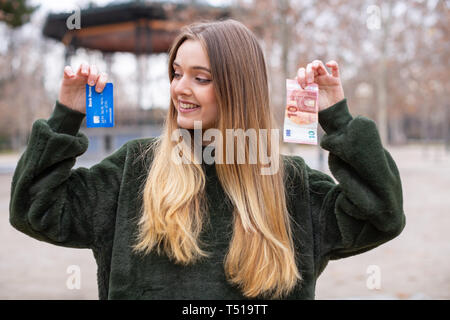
<point x="202" y="80"/>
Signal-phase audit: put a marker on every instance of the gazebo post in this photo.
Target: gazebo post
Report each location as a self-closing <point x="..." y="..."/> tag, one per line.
<point x="107" y="57"/>
<point x="147" y="49"/>
<point x="68" y="53"/>
<point x="138" y="52"/>
<point x="142" y="47"/>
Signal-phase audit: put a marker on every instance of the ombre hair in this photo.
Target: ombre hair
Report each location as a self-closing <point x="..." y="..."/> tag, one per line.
<point x="261" y="258"/>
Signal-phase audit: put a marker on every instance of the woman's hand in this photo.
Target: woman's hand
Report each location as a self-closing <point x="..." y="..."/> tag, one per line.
<point x="73" y="87"/>
<point x="330" y="87"/>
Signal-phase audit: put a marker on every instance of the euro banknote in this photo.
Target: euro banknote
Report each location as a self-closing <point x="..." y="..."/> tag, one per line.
<point x="301" y="115"/>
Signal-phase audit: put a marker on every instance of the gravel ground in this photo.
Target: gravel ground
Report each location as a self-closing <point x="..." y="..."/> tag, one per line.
<point x="415" y="265"/>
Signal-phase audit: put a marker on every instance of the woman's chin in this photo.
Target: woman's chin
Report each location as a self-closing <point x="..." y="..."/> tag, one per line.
<point x="185" y="125"/>
<point x="188" y="124"/>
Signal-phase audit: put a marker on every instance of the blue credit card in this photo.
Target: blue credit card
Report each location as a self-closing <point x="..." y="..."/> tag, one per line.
<point x="99" y="107"/>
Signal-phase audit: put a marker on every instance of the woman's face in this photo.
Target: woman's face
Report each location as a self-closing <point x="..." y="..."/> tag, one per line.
<point x="192" y="87"/>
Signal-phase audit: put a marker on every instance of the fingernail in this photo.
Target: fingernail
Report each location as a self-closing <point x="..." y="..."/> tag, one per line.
<point x="91" y="83"/>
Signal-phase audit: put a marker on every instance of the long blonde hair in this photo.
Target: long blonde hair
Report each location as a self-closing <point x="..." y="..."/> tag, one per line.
<point x="261" y="258"/>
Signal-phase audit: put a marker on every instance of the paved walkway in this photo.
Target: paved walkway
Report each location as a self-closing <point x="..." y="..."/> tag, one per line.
<point x="416" y="265"/>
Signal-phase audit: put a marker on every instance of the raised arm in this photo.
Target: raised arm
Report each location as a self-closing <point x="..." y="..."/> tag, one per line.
<point x="365" y="208"/>
<point x="52" y="202"/>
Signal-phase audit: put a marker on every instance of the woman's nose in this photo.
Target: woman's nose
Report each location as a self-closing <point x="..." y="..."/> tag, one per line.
<point x="182" y="86"/>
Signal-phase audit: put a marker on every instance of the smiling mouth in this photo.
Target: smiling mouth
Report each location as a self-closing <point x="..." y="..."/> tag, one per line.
<point x="188" y="106"/>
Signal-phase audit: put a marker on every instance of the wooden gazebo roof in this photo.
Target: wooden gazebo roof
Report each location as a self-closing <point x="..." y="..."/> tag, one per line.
<point x="137" y="27"/>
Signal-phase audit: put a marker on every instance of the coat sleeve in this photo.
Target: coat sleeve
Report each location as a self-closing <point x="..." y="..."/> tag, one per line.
<point x="365" y="208"/>
<point x="52" y="202"/>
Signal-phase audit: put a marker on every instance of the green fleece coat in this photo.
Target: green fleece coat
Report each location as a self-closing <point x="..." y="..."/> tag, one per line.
<point x="97" y="208"/>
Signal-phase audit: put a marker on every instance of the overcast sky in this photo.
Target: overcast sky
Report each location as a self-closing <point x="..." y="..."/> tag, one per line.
<point x="56" y="5"/>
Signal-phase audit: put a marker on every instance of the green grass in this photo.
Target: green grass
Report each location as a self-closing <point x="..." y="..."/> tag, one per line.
<point x="7" y="152"/>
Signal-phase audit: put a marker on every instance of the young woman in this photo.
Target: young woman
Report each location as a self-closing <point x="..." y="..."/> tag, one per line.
<point x="160" y="229"/>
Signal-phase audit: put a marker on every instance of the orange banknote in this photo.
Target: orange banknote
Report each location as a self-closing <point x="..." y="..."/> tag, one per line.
<point x="301" y="116"/>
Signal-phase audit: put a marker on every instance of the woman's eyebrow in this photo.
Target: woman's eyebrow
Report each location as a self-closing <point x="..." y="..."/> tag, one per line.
<point x="194" y="67"/>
